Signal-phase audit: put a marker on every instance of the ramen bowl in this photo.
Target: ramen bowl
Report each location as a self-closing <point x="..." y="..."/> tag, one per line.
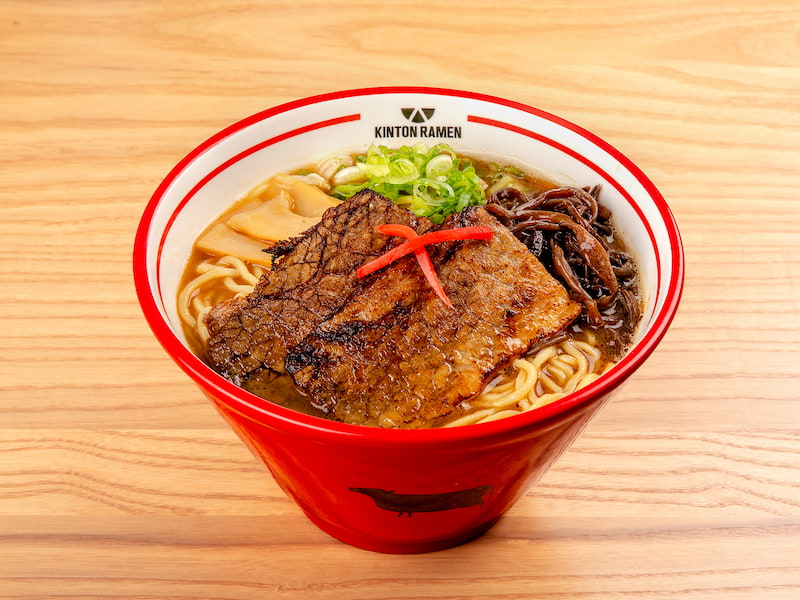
<point x="396" y="490"/>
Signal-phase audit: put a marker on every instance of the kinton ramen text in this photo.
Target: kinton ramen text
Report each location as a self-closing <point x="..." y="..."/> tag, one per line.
<point x="417" y="131"/>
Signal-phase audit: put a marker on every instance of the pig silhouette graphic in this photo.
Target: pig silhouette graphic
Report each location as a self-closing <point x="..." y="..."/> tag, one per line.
<point x="408" y="504"/>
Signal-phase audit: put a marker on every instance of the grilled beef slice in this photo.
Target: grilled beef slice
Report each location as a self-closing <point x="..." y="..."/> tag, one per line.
<point x="312" y="276"/>
<point x="394" y="355"/>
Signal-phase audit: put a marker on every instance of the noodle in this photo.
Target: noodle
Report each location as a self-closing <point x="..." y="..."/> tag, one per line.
<point x="544" y="377"/>
<point x="198" y="296"/>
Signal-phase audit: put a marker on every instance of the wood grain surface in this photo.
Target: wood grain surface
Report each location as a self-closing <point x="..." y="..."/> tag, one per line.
<point x="118" y="479"/>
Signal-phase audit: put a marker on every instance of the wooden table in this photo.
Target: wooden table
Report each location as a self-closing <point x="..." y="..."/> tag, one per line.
<point x="118" y="480"/>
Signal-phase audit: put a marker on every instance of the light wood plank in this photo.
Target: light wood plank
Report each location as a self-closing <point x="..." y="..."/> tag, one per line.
<point x="119" y="480"/>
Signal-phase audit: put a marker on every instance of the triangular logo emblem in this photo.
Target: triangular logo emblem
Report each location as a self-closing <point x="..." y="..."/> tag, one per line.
<point x="418" y="115"/>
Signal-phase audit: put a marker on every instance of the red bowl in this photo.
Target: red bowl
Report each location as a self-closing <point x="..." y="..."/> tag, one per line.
<point x="387" y="490"/>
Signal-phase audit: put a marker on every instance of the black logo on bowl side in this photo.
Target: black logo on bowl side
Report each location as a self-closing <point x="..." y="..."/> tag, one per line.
<point x="418" y="115"/>
<point x="407" y="504"/>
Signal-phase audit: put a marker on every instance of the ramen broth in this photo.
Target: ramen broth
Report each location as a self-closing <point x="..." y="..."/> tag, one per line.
<point x="216" y="273"/>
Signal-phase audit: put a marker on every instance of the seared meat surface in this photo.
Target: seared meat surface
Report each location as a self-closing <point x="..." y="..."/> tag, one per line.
<point x="384" y="350"/>
<point x="395" y="355"/>
<point x="312" y="276"/>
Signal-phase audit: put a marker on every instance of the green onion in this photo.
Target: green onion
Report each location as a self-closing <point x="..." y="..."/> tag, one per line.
<point x="432" y="182"/>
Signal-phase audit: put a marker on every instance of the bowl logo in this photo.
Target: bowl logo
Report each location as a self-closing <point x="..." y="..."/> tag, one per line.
<point x="418" y="115"/>
<point x="415" y="117"/>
